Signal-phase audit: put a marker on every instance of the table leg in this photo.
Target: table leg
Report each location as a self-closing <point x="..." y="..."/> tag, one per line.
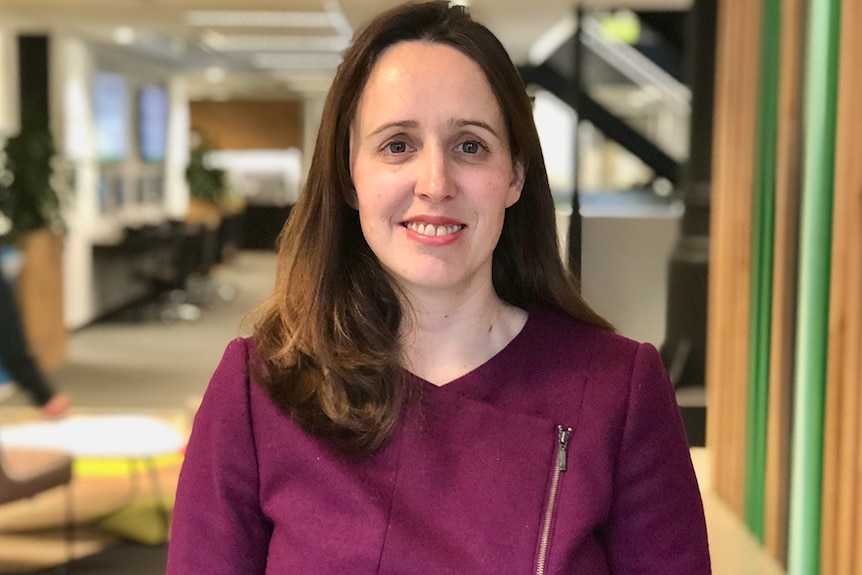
<point x="160" y="499"/>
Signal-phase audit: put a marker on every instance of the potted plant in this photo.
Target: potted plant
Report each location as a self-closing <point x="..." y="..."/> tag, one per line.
<point x="28" y="201"/>
<point x="207" y="187"/>
<point x="31" y="221"/>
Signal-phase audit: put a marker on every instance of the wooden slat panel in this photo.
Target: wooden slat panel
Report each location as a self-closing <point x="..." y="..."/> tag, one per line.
<point x="841" y="538"/>
<point x="815" y="232"/>
<point x="730" y="253"/>
<point x="787" y="176"/>
<point x="763" y="251"/>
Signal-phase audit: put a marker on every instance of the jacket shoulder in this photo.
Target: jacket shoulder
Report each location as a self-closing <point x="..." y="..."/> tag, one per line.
<point x="567" y="337"/>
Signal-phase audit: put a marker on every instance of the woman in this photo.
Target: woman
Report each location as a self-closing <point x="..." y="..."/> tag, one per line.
<point x="425" y="391"/>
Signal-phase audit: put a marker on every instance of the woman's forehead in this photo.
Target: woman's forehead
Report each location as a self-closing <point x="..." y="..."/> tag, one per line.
<point x="423" y="78"/>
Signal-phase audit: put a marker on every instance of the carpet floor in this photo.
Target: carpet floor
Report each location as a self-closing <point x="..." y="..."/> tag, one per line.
<point x="153" y="367"/>
<point x="122" y="559"/>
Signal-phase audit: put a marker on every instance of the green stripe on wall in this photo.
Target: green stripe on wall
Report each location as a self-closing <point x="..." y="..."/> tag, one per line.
<point x="763" y="245"/>
<point x="814" y="268"/>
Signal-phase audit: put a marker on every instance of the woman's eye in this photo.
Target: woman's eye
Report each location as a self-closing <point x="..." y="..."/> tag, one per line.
<point x="471" y="147"/>
<point x="396" y="147"/>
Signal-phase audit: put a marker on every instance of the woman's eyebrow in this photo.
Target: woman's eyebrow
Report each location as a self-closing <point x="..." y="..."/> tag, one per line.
<point x="411" y="124"/>
<point x="459" y="123"/>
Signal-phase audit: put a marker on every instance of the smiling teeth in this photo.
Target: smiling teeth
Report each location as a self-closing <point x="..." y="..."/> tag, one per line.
<point x="432" y="230"/>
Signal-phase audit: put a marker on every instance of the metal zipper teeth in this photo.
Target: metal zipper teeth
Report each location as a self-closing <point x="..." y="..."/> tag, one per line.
<point x="563" y="435"/>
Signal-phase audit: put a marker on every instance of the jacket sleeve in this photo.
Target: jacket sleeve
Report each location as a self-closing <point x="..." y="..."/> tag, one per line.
<point x="218" y="526"/>
<point x="657" y="524"/>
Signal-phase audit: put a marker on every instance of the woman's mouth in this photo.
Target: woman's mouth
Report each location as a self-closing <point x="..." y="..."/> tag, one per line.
<point x="433" y="230"/>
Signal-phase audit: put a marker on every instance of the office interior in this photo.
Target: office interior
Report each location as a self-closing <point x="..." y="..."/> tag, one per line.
<point x="706" y="148"/>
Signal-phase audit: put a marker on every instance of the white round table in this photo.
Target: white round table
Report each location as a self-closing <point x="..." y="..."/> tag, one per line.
<point x="98" y="436"/>
<point x="134" y="438"/>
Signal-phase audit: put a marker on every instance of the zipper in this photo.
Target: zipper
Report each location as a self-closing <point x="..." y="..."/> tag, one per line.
<point x="560" y="464"/>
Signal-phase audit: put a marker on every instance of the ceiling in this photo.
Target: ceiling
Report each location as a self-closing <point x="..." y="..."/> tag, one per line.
<point x="275" y="47"/>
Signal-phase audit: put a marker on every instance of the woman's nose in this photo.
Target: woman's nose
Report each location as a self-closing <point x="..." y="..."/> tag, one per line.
<point x="434" y="181"/>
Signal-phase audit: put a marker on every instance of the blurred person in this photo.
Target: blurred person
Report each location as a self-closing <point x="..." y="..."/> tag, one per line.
<point x="17" y="359"/>
<point x="425" y="391"/>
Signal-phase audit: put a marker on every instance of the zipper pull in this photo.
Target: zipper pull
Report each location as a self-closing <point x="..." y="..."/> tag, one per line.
<point x="563" y="435"/>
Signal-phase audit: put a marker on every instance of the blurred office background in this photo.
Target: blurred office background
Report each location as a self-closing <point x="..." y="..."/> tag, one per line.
<point x="700" y="154"/>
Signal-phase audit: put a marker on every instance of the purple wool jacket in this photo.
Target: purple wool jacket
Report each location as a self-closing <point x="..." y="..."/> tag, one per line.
<point x="563" y="454"/>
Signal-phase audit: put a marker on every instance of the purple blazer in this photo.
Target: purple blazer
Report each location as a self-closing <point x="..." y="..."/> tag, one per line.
<point x="563" y="454"/>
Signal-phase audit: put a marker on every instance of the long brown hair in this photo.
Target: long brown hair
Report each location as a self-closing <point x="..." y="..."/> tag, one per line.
<point x="327" y="338"/>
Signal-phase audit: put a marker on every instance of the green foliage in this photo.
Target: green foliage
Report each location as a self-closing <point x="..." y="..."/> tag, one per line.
<point x="28" y="201"/>
<point x="205" y="182"/>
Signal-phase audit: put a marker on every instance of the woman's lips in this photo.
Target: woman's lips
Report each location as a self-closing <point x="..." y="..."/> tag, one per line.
<point x="433" y="230"/>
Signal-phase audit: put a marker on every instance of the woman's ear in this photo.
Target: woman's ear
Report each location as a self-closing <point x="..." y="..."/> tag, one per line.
<point x="516" y="184"/>
<point x="351" y="199"/>
<point x="350" y="194"/>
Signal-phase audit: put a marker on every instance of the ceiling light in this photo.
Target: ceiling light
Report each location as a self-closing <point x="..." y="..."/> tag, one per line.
<point x="258" y="19"/>
<point x="300" y="61"/>
<point x="337" y="19"/>
<point x="213" y="40"/>
<point x="124" y="35"/>
<point x="215" y="74"/>
<point x="239" y="43"/>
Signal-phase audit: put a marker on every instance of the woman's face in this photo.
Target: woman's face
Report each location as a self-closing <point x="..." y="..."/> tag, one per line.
<point x="432" y="168"/>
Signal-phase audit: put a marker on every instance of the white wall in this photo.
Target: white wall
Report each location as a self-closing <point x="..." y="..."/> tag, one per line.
<point x="89" y="289"/>
<point x="627" y="238"/>
<point x="176" y="187"/>
<point x="556" y="122"/>
<point x="627" y="244"/>
<point x="75" y="141"/>
<point x="8" y="84"/>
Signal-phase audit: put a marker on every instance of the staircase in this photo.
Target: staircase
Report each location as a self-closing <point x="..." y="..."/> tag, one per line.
<point x="630" y="75"/>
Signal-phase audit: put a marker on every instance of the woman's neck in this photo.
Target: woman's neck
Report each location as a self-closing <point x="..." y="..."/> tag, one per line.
<point x="445" y="339"/>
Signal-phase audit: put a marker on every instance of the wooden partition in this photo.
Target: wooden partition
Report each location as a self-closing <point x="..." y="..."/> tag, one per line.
<point x="783" y="331"/>
<point x="815" y="241"/>
<point x="811" y="508"/>
<point x="730" y="244"/>
<point x="841" y="539"/>
<point x="762" y="262"/>
<point x="249" y="124"/>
